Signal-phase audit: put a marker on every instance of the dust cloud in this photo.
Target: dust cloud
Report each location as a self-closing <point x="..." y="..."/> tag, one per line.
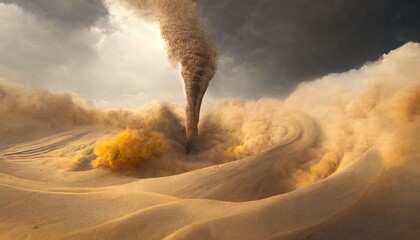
<point x="329" y="123"/>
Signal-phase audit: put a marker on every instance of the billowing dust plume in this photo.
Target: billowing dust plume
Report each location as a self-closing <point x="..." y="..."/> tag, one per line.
<point x="187" y="43"/>
<point x="29" y="112"/>
<point x="322" y="127"/>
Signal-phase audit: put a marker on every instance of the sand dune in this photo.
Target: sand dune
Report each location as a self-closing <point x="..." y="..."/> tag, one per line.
<point x="337" y="159"/>
<point x="43" y="201"/>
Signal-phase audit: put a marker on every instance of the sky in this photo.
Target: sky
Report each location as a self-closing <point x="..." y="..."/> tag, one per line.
<point x="113" y="57"/>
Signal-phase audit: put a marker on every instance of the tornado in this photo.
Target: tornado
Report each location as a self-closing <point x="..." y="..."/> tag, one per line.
<point x="188" y="43"/>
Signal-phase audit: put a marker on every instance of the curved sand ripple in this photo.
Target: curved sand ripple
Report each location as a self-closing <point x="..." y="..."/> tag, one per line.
<point x="42" y="202"/>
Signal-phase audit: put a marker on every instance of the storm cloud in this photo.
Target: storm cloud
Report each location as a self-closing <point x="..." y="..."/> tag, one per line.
<point x="98" y="49"/>
<point x="269" y="46"/>
<point x="67" y="14"/>
<point x="108" y="55"/>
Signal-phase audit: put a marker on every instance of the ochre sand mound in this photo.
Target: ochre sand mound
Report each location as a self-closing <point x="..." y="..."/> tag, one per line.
<point x="337" y="159"/>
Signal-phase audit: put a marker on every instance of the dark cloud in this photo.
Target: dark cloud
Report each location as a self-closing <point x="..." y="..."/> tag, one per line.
<point x="71" y="14"/>
<point x="265" y="47"/>
<point x="102" y="52"/>
<point x="268" y="46"/>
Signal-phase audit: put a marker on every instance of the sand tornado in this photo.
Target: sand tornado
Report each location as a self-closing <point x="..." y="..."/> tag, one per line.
<point x="187" y="43"/>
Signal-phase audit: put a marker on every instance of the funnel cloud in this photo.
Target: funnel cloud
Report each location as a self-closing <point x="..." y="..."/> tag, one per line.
<point x="188" y="43"/>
